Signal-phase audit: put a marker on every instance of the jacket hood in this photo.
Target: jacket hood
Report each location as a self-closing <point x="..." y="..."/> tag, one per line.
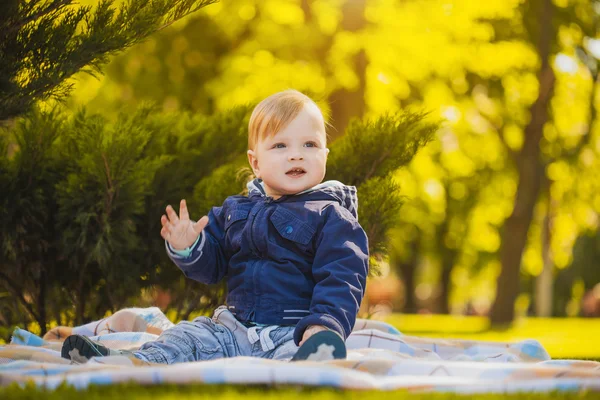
<point x="330" y="190"/>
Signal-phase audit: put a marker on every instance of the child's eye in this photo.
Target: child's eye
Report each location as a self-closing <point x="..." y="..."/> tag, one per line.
<point x="279" y="146"/>
<point x="310" y="144"/>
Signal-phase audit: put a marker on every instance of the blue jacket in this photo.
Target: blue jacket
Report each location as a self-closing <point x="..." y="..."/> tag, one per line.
<point x="299" y="260"/>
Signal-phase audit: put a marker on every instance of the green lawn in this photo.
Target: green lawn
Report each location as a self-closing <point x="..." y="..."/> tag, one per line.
<point x="199" y="392"/>
<point x="563" y="338"/>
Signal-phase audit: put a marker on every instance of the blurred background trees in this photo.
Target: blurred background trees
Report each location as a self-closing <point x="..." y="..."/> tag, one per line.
<point x="500" y="211"/>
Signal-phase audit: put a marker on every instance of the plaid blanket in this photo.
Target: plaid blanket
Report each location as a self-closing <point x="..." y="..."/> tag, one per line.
<point x="379" y="357"/>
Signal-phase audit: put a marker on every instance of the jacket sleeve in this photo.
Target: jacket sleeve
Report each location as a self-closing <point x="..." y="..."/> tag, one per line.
<point x="340" y="270"/>
<point x="205" y="261"/>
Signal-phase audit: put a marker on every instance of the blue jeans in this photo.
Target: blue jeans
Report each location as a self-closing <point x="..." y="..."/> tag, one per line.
<point x="222" y="336"/>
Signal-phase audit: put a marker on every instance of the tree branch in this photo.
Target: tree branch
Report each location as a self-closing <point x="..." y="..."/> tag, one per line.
<point x="306" y="9"/>
<point x="591" y="119"/>
<point x="376" y="164"/>
<point x="17" y="291"/>
<point x="53" y="7"/>
<point x="111" y="191"/>
<point x="178" y="15"/>
<point x="514" y="155"/>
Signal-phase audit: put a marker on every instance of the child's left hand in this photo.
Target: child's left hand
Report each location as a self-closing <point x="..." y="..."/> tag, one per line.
<point x="311" y="330"/>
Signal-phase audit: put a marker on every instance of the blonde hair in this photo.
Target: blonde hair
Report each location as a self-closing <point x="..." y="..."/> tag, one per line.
<point x="275" y="113"/>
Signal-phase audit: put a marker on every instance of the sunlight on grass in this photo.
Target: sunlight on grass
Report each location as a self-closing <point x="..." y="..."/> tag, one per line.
<point x="562" y="337"/>
<point x="231" y="392"/>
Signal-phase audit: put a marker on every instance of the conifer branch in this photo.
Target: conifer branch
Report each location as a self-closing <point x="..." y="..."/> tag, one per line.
<point x="110" y="185"/>
<point x="377" y="163"/>
<point x="53" y="7"/>
<point x="43" y="43"/>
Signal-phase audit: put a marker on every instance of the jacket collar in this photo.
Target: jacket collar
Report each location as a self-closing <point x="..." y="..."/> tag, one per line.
<point x="329" y="190"/>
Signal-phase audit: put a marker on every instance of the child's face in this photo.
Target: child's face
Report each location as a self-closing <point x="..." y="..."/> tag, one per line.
<point x="294" y="159"/>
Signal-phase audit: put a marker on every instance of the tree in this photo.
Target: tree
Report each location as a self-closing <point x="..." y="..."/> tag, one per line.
<point x="349" y="102"/>
<point x="530" y="172"/>
<point x="44" y="42"/>
<point x="535" y="158"/>
<point x="27" y="215"/>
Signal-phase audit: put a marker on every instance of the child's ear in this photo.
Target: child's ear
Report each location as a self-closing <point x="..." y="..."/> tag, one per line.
<point x="253" y="163"/>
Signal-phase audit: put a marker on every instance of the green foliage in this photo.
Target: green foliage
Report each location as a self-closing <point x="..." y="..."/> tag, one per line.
<point x="367" y="155"/>
<point x="101" y="199"/>
<point x="178" y="62"/>
<point x="227" y="180"/>
<point x="81" y="206"/>
<point x="380" y="202"/>
<point x="45" y="42"/>
<point x="216" y="140"/>
<point x="375" y="148"/>
<point x="28" y="210"/>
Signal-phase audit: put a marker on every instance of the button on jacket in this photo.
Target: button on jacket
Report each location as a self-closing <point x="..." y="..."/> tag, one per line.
<point x="299" y="260"/>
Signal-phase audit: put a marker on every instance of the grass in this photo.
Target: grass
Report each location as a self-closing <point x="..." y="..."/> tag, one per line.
<point x="563" y="338"/>
<point x="220" y="392"/>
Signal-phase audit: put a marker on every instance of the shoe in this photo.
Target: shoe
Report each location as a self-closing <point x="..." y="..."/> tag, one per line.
<point x="322" y="346"/>
<point x="80" y="348"/>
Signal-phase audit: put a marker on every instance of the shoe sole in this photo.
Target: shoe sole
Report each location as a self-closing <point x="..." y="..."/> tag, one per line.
<point x="322" y="346"/>
<point x="83" y="345"/>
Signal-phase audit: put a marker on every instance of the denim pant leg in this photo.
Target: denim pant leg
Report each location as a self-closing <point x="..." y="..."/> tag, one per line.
<point x="273" y="342"/>
<point x="200" y="339"/>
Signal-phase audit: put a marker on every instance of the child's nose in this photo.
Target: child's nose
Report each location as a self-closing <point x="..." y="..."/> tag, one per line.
<point x="295" y="157"/>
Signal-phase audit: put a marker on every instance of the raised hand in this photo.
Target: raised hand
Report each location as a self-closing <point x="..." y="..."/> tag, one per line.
<point x="180" y="231"/>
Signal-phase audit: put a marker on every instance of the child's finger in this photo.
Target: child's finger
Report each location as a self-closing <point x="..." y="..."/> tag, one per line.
<point x="165" y="223"/>
<point x="173" y="218"/>
<point x="164" y="233"/>
<point x="183" y="211"/>
<point x="164" y="220"/>
<point x="199" y="226"/>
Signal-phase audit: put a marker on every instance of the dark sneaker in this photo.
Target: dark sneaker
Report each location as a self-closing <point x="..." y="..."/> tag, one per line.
<point x="79" y="349"/>
<point x="322" y="346"/>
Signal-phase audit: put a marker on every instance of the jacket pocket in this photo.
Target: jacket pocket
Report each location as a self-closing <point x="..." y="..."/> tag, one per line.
<point x="235" y="220"/>
<point x="291" y="227"/>
<point x="234" y="215"/>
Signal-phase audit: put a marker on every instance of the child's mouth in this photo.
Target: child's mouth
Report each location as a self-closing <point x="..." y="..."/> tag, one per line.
<point x="296" y="172"/>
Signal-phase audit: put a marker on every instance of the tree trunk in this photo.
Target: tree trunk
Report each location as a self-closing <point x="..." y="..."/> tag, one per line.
<point x="42" y="320"/>
<point x="530" y="169"/>
<point x="408" y="270"/>
<point x="446" y="283"/>
<point x="81" y="298"/>
<point x="346" y="104"/>
<point x="408" y="275"/>
<point x="544" y="282"/>
<point x="448" y="257"/>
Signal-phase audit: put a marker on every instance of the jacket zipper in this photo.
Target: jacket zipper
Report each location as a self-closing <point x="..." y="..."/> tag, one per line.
<point x="256" y="265"/>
